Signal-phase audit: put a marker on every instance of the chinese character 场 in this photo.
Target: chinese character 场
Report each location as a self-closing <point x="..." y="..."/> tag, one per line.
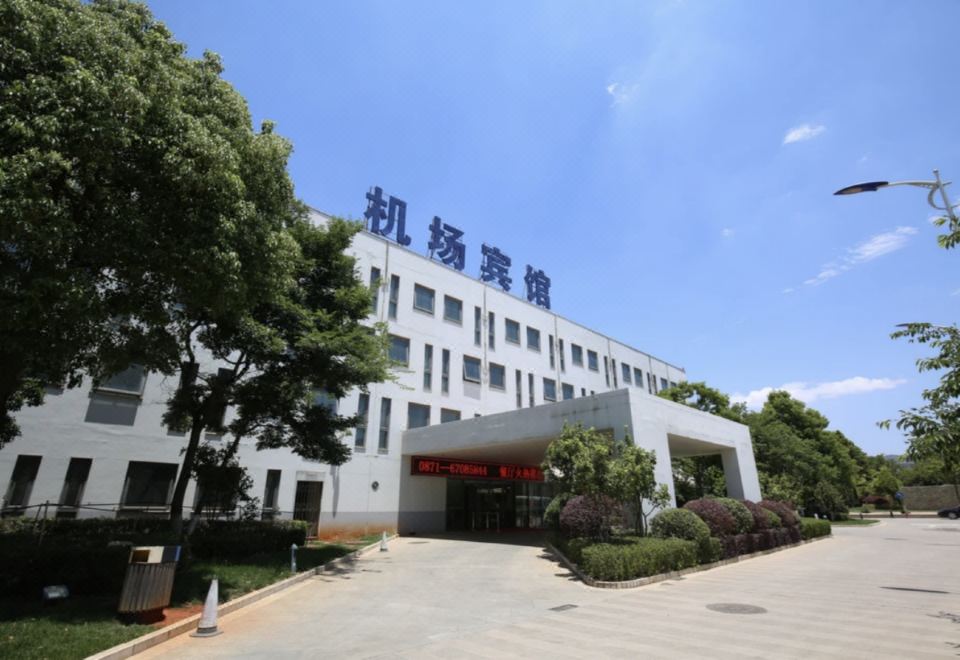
<point x="495" y="266"/>
<point x="396" y="214"/>
<point x="538" y="287"/>
<point x="446" y="240"/>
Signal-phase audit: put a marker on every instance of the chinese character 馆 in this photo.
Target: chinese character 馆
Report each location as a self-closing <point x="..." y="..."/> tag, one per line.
<point x="495" y="266"/>
<point x="446" y="241"/>
<point x="538" y="287"/>
<point x="396" y="214"/>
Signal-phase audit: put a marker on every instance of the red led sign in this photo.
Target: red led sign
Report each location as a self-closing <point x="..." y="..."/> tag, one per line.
<point x="445" y="467"/>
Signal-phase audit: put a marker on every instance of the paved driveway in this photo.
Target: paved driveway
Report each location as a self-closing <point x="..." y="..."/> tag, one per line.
<point x="887" y="591"/>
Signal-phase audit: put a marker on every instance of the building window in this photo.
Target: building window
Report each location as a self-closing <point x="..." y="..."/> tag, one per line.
<point x="445" y="372"/>
<point x="427" y="367"/>
<point x="374" y="289"/>
<point x="498" y="376"/>
<point x="491" y="331"/>
<point x="363" y="411"/>
<point x="448" y="415"/>
<point x="664" y="384"/>
<point x="613" y="368"/>
<point x="21" y="482"/>
<point x="471" y="369"/>
<point x="148" y="484"/>
<point x="672" y="384"/>
<point x="576" y="355"/>
<point x="417" y="415"/>
<point x="606" y="370"/>
<point x="549" y="389"/>
<point x="567" y="390"/>
<point x="533" y="339"/>
<point x="650" y="383"/>
<point x="423" y="299"/>
<point x="519" y="389"/>
<point x="400" y="350"/>
<point x="512" y="331"/>
<point x="384" y="443"/>
<point x="73" y="485"/>
<point x="129" y="381"/>
<point x="530" y="390"/>
<point x="592" y="361"/>
<point x="583" y="391"/>
<point x="452" y="309"/>
<point x="553" y="358"/>
<point x="477" y="326"/>
<point x="625" y="369"/>
<point x="637" y="377"/>
<point x="271" y="495"/>
<point x="563" y="363"/>
<point x="394" y="297"/>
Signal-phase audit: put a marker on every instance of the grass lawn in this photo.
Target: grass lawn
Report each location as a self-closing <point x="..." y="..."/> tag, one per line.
<point x="854" y="522"/>
<point x="84" y="625"/>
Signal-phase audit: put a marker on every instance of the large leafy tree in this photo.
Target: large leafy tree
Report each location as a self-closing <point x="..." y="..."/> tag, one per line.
<point x="633" y="482"/>
<point x="578" y="461"/>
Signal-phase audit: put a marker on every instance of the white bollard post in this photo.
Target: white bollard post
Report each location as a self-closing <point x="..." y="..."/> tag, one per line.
<point x="208" y="620"/>
<point x="383" y="542"/>
<point x="293" y="557"/>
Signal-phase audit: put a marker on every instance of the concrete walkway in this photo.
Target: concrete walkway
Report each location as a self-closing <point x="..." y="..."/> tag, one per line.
<point x="869" y="592"/>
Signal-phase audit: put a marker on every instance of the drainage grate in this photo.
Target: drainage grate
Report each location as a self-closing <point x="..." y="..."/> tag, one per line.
<point x="563" y="608"/>
<point x="736" y="608"/>
<point x="893" y="538"/>
<point x="924" y="591"/>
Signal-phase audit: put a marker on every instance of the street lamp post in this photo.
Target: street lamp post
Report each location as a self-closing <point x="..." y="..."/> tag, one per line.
<point x="932" y="186"/>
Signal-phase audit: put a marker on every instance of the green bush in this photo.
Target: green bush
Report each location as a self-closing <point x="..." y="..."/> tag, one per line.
<point x="234" y="539"/>
<point x="741" y="514"/>
<point x="773" y="519"/>
<point x="709" y="550"/>
<point x="811" y="528"/>
<point x="637" y="557"/>
<point x="679" y="524"/>
<point x="573" y="548"/>
<point x="551" y="516"/>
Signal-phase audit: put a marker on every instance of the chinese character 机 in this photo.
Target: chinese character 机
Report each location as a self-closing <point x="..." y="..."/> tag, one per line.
<point x="396" y="214"/>
<point x="446" y="239"/>
<point x="495" y="266"/>
<point x="538" y="287"/>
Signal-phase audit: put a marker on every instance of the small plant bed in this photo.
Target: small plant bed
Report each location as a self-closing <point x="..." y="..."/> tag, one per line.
<point x="854" y="522"/>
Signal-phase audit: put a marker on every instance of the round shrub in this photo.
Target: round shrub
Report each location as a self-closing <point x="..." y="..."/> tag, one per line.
<point x="761" y="520"/>
<point x="782" y="509"/>
<point x="741" y="514"/>
<point x="773" y="519"/>
<point x="587" y="516"/>
<point x="718" y="519"/>
<point x="679" y="524"/>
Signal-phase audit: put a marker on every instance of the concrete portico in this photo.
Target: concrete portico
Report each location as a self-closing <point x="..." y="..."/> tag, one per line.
<point x="522" y="436"/>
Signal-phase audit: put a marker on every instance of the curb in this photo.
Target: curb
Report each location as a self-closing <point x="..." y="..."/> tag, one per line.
<point x="651" y="579"/>
<point x="144" y="642"/>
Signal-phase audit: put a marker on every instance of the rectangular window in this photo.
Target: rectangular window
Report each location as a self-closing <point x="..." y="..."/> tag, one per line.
<point x="519" y="389"/>
<point x="427" y="367"/>
<point x="477" y="326"/>
<point x="400" y="350"/>
<point x="583" y="391"/>
<point x="394" y="297"/>
<point x="576" y="355"/>
<point x="530" y="390"/>
<point x="567" y="390"/>
<point x="360" y="434"/>
<point x="563" y="363"/>
<point x="512" y="331"/>
<point x="533" y="339"/>
<point x="625" y="369"/>
<point x="384" y="443"/>
<point x="613" y="368"/>
<point x="650" y="383"/>
<point x="374" y="289"/>
<point x="129" y="381"/>
<point x="664" y="384"/>
<point x="553" y="357"/>
<point x="21" y="481"/>
<point x="606" y="370"/>
<point x="445" y="372"/>
<point x="471" y="369"/>
<point x="452" y="309"/>
<point x="637" y="377"/>
<point x="423" y="298"/>
<point x="491" y="331"/>
<point x="498" y="376"/>
<point x="148" y="484"/>
<point x="417" y="415"/>
<point x="592" y="361"/>
<point x="271" y="495"/>
<point x="447" y="415"/>
<point x="73" y="485"/>
<point x="672" y="384"/>
<point x="549" y="389"/>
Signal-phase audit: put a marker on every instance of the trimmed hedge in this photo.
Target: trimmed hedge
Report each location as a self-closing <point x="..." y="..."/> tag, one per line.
<point x="761" y="519"/>
<point x="783" y="510"/>
<point x="587" y="516"/>
<point x="742" y="517"/>
<point x="773" y="519"/>
<point x="709" y="550"/>
<point x="811" y="528"/>
<point x="679" y="524"/>
<point x="637" y="557"/>
<point x="718" y="519"/>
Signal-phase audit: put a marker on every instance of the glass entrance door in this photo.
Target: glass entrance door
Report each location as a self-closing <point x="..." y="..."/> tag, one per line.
<point x="489" y="505"/>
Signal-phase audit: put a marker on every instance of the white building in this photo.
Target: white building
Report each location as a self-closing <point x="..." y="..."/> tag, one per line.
<point x="470" y="350"/>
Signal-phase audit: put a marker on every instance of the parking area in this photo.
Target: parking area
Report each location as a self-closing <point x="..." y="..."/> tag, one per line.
<point x="886" y="591"/>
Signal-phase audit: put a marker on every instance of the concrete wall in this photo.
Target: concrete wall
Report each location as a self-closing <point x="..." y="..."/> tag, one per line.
<point x="929" y="498"/>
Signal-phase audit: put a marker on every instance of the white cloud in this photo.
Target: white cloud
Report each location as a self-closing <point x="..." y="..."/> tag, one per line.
<point x="870" y="249"/>
<point x="622" y="93"/>
<point x="803" y="132"/>
<point x="726" y="232"/>
<point x="810" y="392"/>
<point x="789" y="289"/>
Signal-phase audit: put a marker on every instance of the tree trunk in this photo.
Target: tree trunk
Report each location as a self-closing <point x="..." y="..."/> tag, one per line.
<point x="186" y="468"/>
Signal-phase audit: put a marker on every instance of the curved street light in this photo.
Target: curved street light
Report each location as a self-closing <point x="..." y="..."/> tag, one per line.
<point x="932" y="186"/>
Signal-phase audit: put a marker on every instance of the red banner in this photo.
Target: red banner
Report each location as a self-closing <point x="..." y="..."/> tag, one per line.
<point x="445" y="467"/>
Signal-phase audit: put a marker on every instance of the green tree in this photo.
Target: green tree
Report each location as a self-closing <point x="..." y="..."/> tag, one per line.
<point x="633" y="482"/>
<point x="887" y="484"/>
<point x="578" y="461"/>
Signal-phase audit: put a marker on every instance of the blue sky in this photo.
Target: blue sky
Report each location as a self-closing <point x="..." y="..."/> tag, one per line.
<point x="669" y="165"/>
